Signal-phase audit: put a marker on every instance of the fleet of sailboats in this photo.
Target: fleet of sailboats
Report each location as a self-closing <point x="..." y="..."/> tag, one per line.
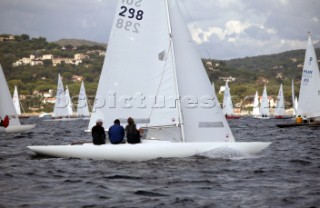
<point x="154" y="85"/>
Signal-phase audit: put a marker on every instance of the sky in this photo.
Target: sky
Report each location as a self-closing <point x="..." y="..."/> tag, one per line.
<point x="221" y="29"/>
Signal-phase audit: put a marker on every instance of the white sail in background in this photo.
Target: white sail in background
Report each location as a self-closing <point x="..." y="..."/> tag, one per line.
<point x="16" y="101"/>
<point x="256" y="110"/>
<point x="69" y="102"/>
<point x="6" y="104"/>
<point x="309" y="96"/>
<point x="227" y="106"/>
<point x="149" y="74"/>
<point x="60" y="106"/>
<point x="82" y="108"/>
<point x="280" y="109"/>
<point x="296" y="104"/>
<point x="264" y="105"/>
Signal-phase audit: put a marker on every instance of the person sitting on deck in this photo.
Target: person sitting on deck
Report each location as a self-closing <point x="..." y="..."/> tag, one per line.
<point x="116" y="133"/>
<point x="133" y="134"/>
<point x="98" y="134"/>
<point x="5" y="121"/>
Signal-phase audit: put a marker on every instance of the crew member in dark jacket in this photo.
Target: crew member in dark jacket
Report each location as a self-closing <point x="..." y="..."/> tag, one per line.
<point x="98" y="134"/>
<point x="116" y="133"/>
<point x="133" y="134"/>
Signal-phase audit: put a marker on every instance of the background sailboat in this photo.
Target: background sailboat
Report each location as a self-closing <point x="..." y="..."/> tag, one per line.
<point x="16" y="103"/>
<point x="7" y="109"/>
<point x="227" y="105"/>
<point x="280" y="111"/>
<point x="69" y="102"/>
<point x="83" y="108"/>
<point x="309" y="95"/>
<point x="155" y="84"/>
<point x="264" y="110"/>
<point x="61" y="111"/>
<point x="255" y="110"/>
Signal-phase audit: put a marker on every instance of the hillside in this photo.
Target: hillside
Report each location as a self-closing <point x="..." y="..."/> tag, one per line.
<point x="78" y="42"/>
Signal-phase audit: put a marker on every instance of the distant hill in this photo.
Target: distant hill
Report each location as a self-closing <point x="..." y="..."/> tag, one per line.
<point x="317" y="45"/>
<point x="78" y="42"/>
<point x="288" y="59"/>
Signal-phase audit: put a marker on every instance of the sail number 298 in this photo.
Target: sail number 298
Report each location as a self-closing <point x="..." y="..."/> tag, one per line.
<point x="129" y="15"/>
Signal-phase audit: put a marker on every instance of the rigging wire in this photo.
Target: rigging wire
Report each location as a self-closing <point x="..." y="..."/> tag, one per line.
<point x="192" y="22"/>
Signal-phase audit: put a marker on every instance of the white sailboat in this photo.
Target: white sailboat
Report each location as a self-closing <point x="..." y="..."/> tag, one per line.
<point x="69" y="102"/>
<point x="7" y="109"/>
<point x="150" y="73"/>
<point x="256" y="110"/>
<point x="16" y="101"/>
<point x="280" y="110"/>
<point x="264" y="111"/>
<point x="61" y="111"/>
<point x="83" y="108"/>
<point x="309" y="96"/>
<point x="227" y="105"/>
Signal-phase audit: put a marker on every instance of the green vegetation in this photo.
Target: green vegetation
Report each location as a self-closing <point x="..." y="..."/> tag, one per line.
<point x="251" y="73"/>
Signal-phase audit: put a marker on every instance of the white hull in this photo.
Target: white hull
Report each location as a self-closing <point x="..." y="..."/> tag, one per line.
<point x="17" y="128"/>
<point x="261" y="117"/>
<point x="147" y="150"/>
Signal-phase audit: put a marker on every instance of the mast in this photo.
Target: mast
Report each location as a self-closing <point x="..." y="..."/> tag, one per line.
<point x="175" y="74"/>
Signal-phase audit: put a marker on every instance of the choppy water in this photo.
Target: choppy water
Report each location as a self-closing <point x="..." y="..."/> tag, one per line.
<point x="287" y="174"/>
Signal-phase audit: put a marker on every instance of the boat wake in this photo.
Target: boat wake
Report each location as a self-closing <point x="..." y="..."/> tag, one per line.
<point x="226" y="153"/>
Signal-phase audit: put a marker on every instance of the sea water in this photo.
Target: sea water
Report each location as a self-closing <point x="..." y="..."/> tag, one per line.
<point x="286" y="174"/>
